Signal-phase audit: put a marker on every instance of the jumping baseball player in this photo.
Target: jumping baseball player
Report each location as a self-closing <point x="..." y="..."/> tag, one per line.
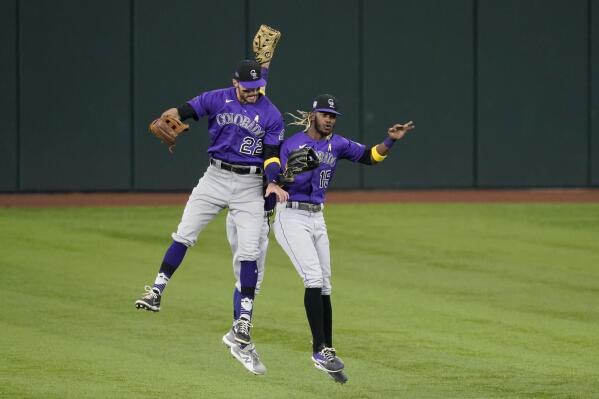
<point x="245" y="134"/>
<point x="298" y="162"/>
<point x="299" y="224"/>
<point x="246" y="353"/>
<point x="264" y="42"/>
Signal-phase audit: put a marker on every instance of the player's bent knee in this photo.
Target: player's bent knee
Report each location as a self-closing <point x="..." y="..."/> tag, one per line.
<point x="249" y="255"/>
<point x="313" y="282"/>
<point x="187" y="241"/>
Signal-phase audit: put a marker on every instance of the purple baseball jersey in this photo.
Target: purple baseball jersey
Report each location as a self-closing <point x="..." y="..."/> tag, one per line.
<point x="238" y="131"/>
<point x="312" y="186"/>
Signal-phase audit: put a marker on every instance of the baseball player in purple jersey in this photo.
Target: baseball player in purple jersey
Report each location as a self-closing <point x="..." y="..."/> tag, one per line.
<point x="245" y="130"/>
<point x="247" y="354"/>
<point x="299" y="224"/>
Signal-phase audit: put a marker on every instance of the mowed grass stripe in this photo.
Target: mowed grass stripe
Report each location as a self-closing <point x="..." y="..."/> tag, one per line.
<point x="430" y="300"/>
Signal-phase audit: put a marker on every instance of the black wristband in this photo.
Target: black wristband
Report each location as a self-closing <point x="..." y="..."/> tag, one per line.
<point x="186" y="111"/>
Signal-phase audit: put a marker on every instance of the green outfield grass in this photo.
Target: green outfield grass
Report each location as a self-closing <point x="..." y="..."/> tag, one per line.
<point x="430" y="301"/>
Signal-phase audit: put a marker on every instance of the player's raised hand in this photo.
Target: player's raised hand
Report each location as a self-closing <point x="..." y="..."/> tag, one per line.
<point x="398" y="130"/>
<point x="281" y="194"/>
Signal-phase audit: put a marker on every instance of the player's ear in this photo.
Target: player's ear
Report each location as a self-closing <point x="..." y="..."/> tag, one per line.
<point x="235" y="84"/>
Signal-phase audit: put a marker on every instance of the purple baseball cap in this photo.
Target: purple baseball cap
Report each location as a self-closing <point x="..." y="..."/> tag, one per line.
<point x="249" y="75"/>
<point x="326" y="103"/>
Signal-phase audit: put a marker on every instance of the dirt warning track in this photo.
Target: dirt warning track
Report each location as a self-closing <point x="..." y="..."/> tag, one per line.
<point x="412" y="196"/>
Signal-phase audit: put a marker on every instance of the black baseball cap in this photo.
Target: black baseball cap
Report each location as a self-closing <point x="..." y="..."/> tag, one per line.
<point x="326" y="103"/>
<point x="248" y="74"/>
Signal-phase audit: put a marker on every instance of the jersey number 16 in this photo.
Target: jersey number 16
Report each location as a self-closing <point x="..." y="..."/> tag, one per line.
<point x="325" y="176"/>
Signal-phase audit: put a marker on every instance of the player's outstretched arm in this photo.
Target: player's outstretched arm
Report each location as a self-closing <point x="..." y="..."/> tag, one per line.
<point x="183" y="112"/>
<point x="264" y="44"/>
<point x="168" y="127"/>
<point x="395" y="132"/>
<point x="379" y="152"/>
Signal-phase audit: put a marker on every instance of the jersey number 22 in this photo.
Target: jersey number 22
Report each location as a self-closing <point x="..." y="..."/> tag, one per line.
<point x="251" y="146"/>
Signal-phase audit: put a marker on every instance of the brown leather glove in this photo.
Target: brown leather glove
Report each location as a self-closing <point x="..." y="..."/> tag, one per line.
<point x="167" y="128"/>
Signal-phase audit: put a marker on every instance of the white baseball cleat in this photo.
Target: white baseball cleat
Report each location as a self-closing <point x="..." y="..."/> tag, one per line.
<point x="245" y="354"/>
<point x="229" y="338"/>
<point x="249" y="358"/>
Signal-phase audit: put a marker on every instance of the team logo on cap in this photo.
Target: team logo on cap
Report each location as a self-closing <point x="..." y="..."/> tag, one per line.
<point x="314" y="104"/>
<point x="254" y="74"/>
<point x="331" y="103"/>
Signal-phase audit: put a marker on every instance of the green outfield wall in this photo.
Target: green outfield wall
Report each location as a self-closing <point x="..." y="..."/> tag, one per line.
<point x="504" y="93"/>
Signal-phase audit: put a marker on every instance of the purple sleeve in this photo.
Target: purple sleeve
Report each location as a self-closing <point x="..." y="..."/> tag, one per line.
<point x="284" y="153"/>
<point x="274" y="136"/>
<point x="204" y="104"/>
<point x="271" y="172"/>
<point x="275" y="131"/>
<point x="351" y="150"/>
<point x="264" y="73"/>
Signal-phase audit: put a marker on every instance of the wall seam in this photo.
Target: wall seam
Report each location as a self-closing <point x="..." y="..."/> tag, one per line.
<point x="361" y="110"/>
<point x="475" y="149"/>
<point x="18" y="94"/>
<point x="132" y="182"/>
<point x="589" y="93"/>
<point x="247" y="47"/>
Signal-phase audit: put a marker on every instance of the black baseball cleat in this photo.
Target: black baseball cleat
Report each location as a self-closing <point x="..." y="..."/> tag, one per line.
<point x="241" y="331"/>
<point x="326" y="360"/>
<point x="150" y="300"/>
<point x="339" y="377"/>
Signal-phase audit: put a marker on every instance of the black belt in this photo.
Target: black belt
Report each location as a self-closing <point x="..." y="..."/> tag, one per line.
<point x="304" y="206"/>
<point x="239" y="169"/>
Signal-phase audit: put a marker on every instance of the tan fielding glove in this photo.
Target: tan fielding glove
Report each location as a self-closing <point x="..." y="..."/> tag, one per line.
<point x="265" y="42"/>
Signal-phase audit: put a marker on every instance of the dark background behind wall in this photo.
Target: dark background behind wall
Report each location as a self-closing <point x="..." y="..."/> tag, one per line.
<point x="504" y="93"/>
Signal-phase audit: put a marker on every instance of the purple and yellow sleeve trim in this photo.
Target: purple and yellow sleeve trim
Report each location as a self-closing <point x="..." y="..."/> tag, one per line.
<point x="271" y="160"/>
<point x="272" y="168"/>
<point x="376" y="156"/>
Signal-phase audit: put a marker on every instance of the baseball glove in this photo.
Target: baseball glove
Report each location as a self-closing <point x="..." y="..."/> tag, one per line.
<point x="299" y="161"/>
<point x="167" y="128"/>
<point x="265" y="42"/>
